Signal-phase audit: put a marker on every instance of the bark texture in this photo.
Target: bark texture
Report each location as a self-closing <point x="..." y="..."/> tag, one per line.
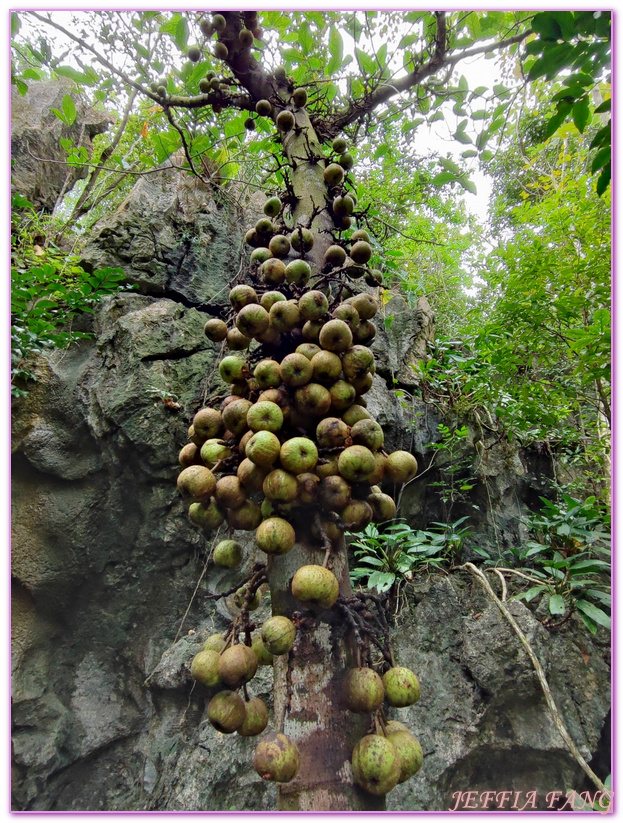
<point x="308" y="683"/>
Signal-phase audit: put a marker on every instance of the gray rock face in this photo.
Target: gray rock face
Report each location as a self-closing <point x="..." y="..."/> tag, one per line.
<point x="112" y="591"/>
<point x="38" y="171"/>
<point x="172" y="238"/>
<point x="492" y="729"/>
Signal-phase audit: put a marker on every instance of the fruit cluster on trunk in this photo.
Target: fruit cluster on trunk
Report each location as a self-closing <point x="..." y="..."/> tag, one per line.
<point x="291" y="452"/>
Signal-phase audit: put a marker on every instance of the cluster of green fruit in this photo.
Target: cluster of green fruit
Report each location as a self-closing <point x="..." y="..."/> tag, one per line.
<point x="227" y="666"/>
<point x="300" y="458"/>
<point x="392" y="754"/>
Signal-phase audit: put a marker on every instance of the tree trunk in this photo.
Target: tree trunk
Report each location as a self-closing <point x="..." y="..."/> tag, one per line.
<point x="308" y="682"/>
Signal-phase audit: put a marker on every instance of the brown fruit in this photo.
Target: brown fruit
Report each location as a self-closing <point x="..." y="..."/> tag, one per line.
<point x="327" y="466"/>
<point x="280" y="486"/>
<point x="313" y="399"/>
<point x="189" y="456"/>
<point x="237" y="341"/>
<point x="246" y="517"/>
<point x="307" y="487"/>
<point x="208" y="423"/>
<point x="273" y="271"/>
<point x="312" y="329"/>
<point x="229" y="492"/>
<point x="334" y="493"/>
<point x="383" y="507"/>
<point x="356" y="515"/>
<point x="235" y="415"/>
<point x="334" y="256"/>
<point x="264" y="108"/>
<point x="242" y="295"/>
<point x="331" y="433"/>
<point x="251" y="475"/>
<point x="348" y="313"/>
<point x="237" y="665"/>
<point x="299" y="97"/>
<point x="215" y="330"/>
<point x="196" y="483"/>
<point x="366" y="304"/>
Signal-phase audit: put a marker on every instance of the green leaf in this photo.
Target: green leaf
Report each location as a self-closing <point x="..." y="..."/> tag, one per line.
<point x="594" y="613"/>
<point x="336" y="50"/>
<point x="557" y="604"/>
<point x="443" y="177"/>
<point x="546" y="25"/>
<point x="76" y="76"/>
<point x="15" y="24"/>
<point x="181" y="33"/>
<point x="69" y="109"/>
<point x="566" y="23"/>
<point x="604" y="107"/>
<point x="305" y="38"/>
<point x="21" y="86"/>
<point x="462" y="137"/>
<point x="604" y="179"/>
<point x="367" y="63"/>
<point x="469" y="186"/>
<point x="581" y="114"/>
<point x="556" y="120"/>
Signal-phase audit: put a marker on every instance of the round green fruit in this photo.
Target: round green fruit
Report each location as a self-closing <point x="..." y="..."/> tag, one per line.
<point x="278" y="634"/>
<point x="315" y="587"/>
<point x="227" y="554"/>
<point x="226" y="711"/>
<point x="363" y="690"/>
<point x="402" y="688"/>
<point x="255" y="718"/>
<point x="204" y="668"/>
<point x="275" y="536"/>
<point x="276" y="758"/>
<point x="376" y="764"/>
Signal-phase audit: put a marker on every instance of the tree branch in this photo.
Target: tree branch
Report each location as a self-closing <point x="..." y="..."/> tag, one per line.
<point x="331" y="126"/>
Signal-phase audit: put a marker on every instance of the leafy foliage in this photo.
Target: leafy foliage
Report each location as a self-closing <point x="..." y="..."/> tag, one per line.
<point x="48" y="290"/>
<point x="390" y="553"/>
<point x="570" y="533"/>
